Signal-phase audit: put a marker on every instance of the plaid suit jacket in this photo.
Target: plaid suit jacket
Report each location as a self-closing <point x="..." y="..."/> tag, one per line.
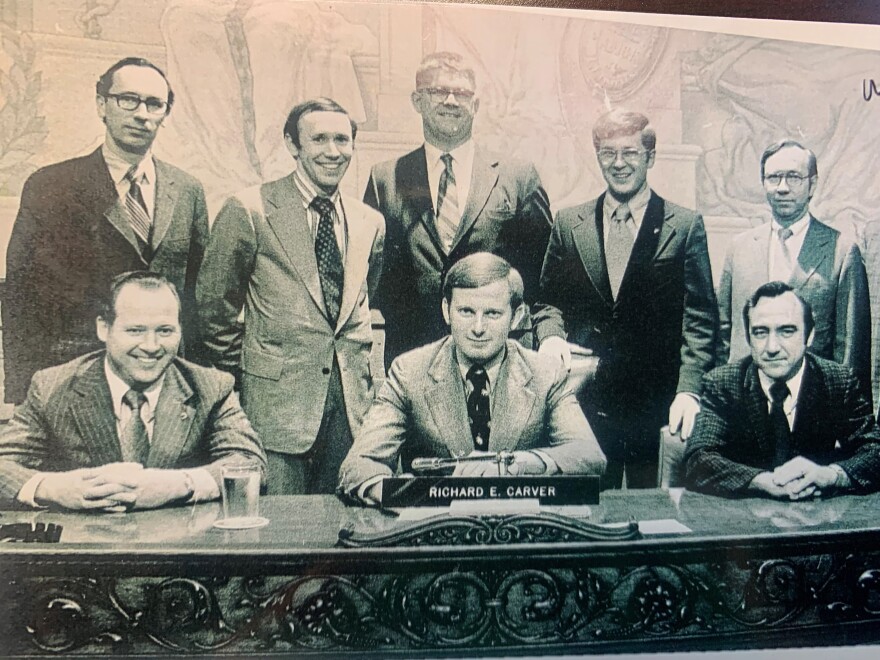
<point x="732" y="441"/>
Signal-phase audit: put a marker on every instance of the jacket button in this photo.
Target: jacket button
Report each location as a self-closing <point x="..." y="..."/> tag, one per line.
<point x="325" y="370"/>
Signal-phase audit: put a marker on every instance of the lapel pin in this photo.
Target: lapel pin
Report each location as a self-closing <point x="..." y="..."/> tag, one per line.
<point x="183" y="415"/>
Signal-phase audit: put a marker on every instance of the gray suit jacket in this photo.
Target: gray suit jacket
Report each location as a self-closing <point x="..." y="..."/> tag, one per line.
<point x="67" y="422"/>
<point x="830" y="275"/>
<point x="421" y="411"/>
<point x="261" y="257"/>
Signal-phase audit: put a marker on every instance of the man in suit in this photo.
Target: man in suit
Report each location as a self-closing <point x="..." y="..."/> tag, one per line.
<point x="473" y="392"/>
<point x="823" y="266"/>
<point x="303" y="260"/>
<point x="448" y="199"/>
<point x="783" y="422"/>
<point x="83" y="221"/>
<point x="627" y="276"/>
<point x="129" y="426"/>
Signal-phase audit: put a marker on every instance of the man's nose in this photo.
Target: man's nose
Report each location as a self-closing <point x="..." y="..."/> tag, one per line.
<point x="479" y="324"/>
<point x="450" y="99"/>
<point x="149" y="342"/>
<point x="772" y="343"/>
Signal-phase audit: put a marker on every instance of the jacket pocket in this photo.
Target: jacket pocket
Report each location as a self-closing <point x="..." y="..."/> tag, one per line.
<point x="258" y="363"/>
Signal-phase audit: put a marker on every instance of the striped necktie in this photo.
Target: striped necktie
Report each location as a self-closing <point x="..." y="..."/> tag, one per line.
<point x="448" y="216"/>
<point x="618" y="247"/>
<point x="134" y="442"/>
<point x="138" y="215"/>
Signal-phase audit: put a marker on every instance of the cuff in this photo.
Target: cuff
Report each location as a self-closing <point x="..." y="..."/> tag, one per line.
<point x="369" y="483"/>
<point x="550" y="466"/>
<point x="843" y="481"/>
<point x="28" y="492"/>
<point x="204" y="486"/>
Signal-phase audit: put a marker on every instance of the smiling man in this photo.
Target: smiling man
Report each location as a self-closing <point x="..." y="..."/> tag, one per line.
<point x="130" y="426"/>
<point x="473" y="391"/>
<point x="627" y="276"/>
<point x="83" y="221"/>
<point x="782" y="422"/>
<point x="303" y="261"/>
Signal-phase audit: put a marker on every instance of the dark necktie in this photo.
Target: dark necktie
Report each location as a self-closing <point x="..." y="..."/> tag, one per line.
<point x="329" y="258"/>
<point x="448" y="216"/>
<point x="779" y="423"/>
<point x="478" y="407"/>
<point x="134" y="442"/>
<point x="618" y="247"/>
<point x="137" y="212"/>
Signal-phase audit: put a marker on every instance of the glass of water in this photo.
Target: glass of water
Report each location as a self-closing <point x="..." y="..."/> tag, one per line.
<point x="241" y="497"/>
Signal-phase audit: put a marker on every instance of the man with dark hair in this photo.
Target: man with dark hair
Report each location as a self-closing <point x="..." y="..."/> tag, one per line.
<point x="821" y="264"/>
<point x="303" y="261"/>
<point x="85" y="220"/>
<point x="627" y="276"/>
<point x="782" y="422"/>
<point x="130" y="426"/>
<point x="473" y="391"/>
<point x="448" y="199"/>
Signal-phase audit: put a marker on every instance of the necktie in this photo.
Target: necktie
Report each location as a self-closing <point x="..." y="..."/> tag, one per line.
<point x="478" y="407"/>
<point x="448" y="217"/>
<point x="135" y="445"/>
<point x="618" y="247"/>
<point x="779" y="423"/>
<point x="329" y="258"/>
<point x="137" y="212"/>
<point x="784" y="234"/>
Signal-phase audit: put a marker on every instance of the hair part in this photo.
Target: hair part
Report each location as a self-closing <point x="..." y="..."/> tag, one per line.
<point x="774" y="290"/>
<point x="105" y="82"/>
<point x="776" y="147"/>
<point x="481" y="269"/>
<point x="141" y="278"/>
<point x="443" y="61"/>
<point x="620" y="121"/>
<point x="322" y="104"/>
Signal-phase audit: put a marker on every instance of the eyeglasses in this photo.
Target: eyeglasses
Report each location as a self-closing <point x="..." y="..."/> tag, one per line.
<point x="132" y="102"/>
<point x="630" y="156"/>
<point x="793" y="179"/>
<point x="440" y="94"/>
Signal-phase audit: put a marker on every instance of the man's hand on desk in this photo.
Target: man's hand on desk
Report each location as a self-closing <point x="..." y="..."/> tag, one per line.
<point x="156" y="488"/>
<point x="797" y="479"/>
<point x="557" y="348"/>
<point x="524" y="462"/>
<point x="107" y="487"/>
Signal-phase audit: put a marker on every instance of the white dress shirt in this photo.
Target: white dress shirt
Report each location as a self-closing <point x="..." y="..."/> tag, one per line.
<point x="462" y="168"/>
<point x="145" y="176"/>
<point x="638" y="204"/>
<point x="308" y="192"/>
<point x="789" y="406"/>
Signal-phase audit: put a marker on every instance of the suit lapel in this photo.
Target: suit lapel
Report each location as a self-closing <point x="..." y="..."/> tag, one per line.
<point x="445" y="397"/>
<point x="110" y="205"/>
<point x="756" y="409"/>
<point x="414" y="189"/>
<point x="587" y="237"/>
<point x="172" y="420"/>
<point x="286" y="215"/>
<point x="812" y="254"/>
<point x="94" y="416"/>
<point x="760" y="257"/>
<point x="654" y="234"/>
<point x="812" y="399"/>
<point x="357" y="261"/>
<point x="513" y="402"/>
<point x="483" y="180"/>
<point x="166" y="199"/>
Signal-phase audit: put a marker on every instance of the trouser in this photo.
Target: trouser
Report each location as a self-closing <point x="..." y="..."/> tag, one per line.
<point x="628" y="446"/>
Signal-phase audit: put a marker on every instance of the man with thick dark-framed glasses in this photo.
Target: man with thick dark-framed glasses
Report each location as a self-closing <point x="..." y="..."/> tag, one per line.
<point x="821" y="264"/>
<point x="446" y="200"/>
<point x="85" y="220"/>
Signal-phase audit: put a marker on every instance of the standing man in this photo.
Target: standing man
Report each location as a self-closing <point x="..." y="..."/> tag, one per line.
<point x="782" y="423"/>
<point x="823" y="266"/>
<point x="303" y="262"/>
<point x="83" y="221"/>
<point x="628" y="277"/>
<point x="448" y="199"/>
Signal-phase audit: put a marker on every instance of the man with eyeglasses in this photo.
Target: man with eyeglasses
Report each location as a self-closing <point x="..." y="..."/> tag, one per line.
<point x="822" y="265"/>
<point x="83" y="221"/>
<point x="448" y="199"/>
<point x="627" y="276"/>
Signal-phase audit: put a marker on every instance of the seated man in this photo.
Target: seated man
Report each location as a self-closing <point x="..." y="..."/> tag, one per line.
<point x="473" y="391"/>
<point x="130" y="426"/>
<point x="782" y="422"/>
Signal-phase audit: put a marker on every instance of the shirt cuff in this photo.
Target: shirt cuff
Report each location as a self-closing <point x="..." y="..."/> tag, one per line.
<point x="205" y="487"/>
<point x="843" y="481"/>
<point x="550" y="466"/>
<point x="695" y="397"/>
<point x="369" y="483"/>
<point x="28" y="492"/>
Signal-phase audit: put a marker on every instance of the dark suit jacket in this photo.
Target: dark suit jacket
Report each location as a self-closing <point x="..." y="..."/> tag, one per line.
<point x="507" y="212"/>
<point x="421" y="411"/>
<point x="71" y="237"/>
<point x="732" y="441"/>
<point x="67" y="422"/>
<point x="658" y="337"/>
<point x="830" y="275"/>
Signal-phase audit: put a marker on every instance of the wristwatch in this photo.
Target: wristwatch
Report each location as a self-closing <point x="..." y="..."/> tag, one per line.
<point x="843" y="481"/>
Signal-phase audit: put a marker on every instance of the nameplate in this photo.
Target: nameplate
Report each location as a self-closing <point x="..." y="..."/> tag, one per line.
<point x="442" y="491"/>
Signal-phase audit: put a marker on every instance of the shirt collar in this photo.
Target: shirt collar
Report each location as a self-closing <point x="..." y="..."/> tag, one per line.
<point x="637" y="204"/>
<point x="492" y="368"/>
<point x="118" y="167"/>
<point x="308" y="191"/>
<point x="794" y="383"/>
<point x="796" y="227"/>
<point x="462" y="153"/>
<point x="119" y="388"/>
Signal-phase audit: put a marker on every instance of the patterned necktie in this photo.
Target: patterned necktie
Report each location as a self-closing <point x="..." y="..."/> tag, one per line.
<point x="478" y="407"/>
<point x="784" y="234"/>
<point x="618" y="247"/>
<point x="135" y="444"/>
<point x="779" y="423"/>
<point x="448" y="216"/>
<point x="137" y="212"/>
<point x="329" y="258"/>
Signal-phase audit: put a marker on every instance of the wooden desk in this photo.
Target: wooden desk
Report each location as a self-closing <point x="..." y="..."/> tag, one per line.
<point x="753" y="573"/>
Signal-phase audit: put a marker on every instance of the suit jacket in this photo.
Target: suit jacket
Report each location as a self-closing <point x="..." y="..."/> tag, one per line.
<point x="71" y="237"/>
<point x="421" y="411"/>
<point x="830" y="275"/>
<point x="658" y="337"/>
<point x="261" y="256"/>
<point x="67" y="422"/>
<point x="507" y="212"/>
<point x="732" y="442"/>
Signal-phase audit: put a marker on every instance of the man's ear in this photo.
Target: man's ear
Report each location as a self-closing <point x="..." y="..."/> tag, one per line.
<point x="291" y="147"/>
<point x="101" y="106"/>
<point x="445" y="307"/>
<point x="102" y="328"/>
<point x="518" y="315"/>
<point x="416" y="100"/>
<point x="810" y="338"/>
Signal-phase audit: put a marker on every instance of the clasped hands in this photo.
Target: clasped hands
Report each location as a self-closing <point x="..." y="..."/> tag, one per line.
<point x="113" y="488"/>
<point x="797" y="479"/>
<point x="524" y="462"/>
